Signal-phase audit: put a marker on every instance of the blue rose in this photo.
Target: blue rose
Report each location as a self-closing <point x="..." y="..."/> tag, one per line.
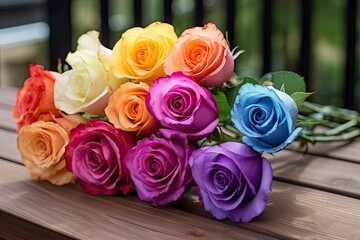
<point x="266" y="116"/>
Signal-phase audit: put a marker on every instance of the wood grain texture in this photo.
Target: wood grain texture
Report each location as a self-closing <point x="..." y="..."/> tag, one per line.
<point x="7" y="97"/>
<point x="8" y="148"/>
<point x="295" y="212"/>
<point x="344" y="150"/>
<point x="322" y="173"/>
<point x="6" y="121"/>
<point x="68" y="210"/>
<point x="12" y="227"/>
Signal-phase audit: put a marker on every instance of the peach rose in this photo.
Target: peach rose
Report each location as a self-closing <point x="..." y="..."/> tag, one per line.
<point x="140" y="53"/>
<point x="36" y="97"/>
<point x="42" y="147"/>
<point x="127" y="109"/>
<point x="203" y="53"/>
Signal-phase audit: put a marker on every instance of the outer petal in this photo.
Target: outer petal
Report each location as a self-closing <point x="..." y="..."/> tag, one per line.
<point x="223" y="75"/>
<point x="163" y="28"/>
<point x="260" y="146"/>
<point x="246" y="211"/>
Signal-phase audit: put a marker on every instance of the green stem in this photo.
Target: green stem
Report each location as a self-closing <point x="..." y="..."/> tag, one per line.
<point x="342" y="127"/>
<point x="339" y="114"/>
<point x="341" y="137"/>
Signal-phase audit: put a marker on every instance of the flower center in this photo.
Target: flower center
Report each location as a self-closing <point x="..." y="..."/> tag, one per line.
<point x="259" y="115"/>
<point x="177" y="103"/>
<point x="152" y="166"/>
<point x="221" y="180"/>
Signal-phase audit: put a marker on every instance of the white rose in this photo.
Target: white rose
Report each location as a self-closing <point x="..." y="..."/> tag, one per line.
<point x="89" y="84"/>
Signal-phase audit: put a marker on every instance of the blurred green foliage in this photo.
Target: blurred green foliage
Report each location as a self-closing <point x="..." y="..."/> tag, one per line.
<point x="328" y="31"/>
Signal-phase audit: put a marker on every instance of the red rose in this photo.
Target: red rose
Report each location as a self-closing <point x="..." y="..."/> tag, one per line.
<point x="36" y="97"/>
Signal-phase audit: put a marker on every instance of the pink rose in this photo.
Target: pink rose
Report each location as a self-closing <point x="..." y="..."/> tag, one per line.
<point x="179" y="103"/>
<point x="203" y="53"/>
<point x="96" y="154"/>
<point x="159" y="166"/>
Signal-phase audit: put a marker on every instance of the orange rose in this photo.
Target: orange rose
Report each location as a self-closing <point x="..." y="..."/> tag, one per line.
<point x="36" y="97"/>
<point x="203" y="53"/>
<point x="127" y="109"/>
<point x="42" y="147"/>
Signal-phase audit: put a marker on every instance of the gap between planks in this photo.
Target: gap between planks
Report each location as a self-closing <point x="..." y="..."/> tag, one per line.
<point x="293" y="212"/>
<point x="69" y="210"/>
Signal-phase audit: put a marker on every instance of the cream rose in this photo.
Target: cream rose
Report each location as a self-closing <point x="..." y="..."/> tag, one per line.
<point x="140" y="53"/>
<point x="89" y="84"/>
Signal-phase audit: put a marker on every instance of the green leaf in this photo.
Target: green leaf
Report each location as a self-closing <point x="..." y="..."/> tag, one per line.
<point x="231" y="93"/>
<point x="89" y="116"/>
<point x="300" y="97"/>
<point x="292" y="82"/>
<point x="224" y="108"/>
<point x="250" y="80"/>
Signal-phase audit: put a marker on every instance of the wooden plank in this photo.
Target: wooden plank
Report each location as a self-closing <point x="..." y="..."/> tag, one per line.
<point x="6" y="121"/>
<point x="327" y="174"/>
<point x="7" y="96"/>
<point x="296" y="212"/>
<point x="348" y="151"/>
<point x="8" y="148"/>
<point x="9" y="229"/>
<point x="70" y="211"/>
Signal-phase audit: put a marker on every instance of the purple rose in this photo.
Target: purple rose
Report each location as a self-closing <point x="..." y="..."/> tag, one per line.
<point x="179" y="103"/>
<point x="96" y="155"/>
<point x="159" y="167"/>
<point x="233" y="180"/>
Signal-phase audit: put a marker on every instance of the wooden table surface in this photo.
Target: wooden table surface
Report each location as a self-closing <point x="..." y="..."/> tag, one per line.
<point x="314" y="196"/>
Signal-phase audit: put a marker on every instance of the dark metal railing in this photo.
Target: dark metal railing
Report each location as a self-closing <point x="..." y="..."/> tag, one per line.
<point x="60" y="34"/>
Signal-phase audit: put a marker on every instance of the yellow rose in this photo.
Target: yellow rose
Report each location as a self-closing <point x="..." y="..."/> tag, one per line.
<point x="127" y="109"/>
<point x="42" y="147"/>
<point x="140" y="53"/>
<point x="89" y="84"/>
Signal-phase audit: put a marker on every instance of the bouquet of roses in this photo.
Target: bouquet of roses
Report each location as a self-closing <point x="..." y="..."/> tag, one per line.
<point x="161" y="114"/>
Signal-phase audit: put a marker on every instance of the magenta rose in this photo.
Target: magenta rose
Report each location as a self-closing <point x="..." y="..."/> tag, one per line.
<point x="159" y="167"/>
<point x="179" y="103"/>
<point x="233" y="180"/>
<point x="96" y="155"/>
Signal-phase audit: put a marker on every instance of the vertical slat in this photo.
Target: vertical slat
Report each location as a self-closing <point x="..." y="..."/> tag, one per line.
<point x="104" y="8"/>
<point x="306" y="28"/>
<point x="199" y="12"/>
<point x="267" y="32"/>
<point x="230" y="22"/>
<point x="168" y="16"/>
<point x="349" y="84"/>
<point x="59" y="19"/>
<point x="137" y="12"/>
